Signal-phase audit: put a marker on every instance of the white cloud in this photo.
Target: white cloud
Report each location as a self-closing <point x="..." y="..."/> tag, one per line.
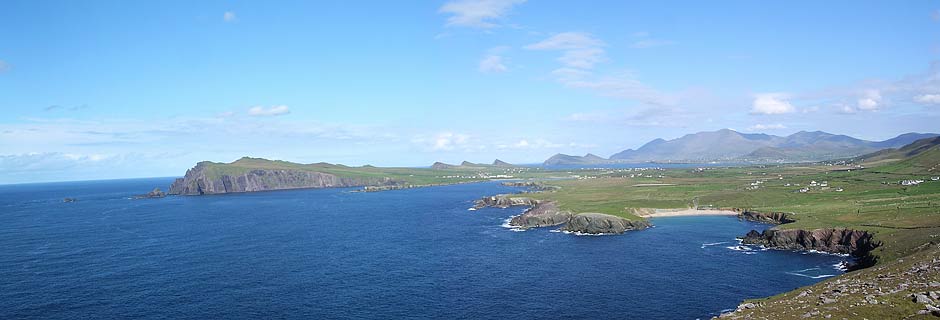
<point x="644" y="41"/>
<point x="771" y="103"/>
<point x="260" y="111"/>
<point x="582" y="58"/>
<point x="444" y="141"/>
<point x="652" y="43"/>
<point x="492" y="64"/>
<point x="477" y="13"/>
<point x="229" y="16"/>
<point x="870" y="100"/>
<point x="759" y="127"/>
<point x="567" y="41"/>
<point x="623" y="85"/>
<point x="928" y="98"/>
<point x="527" y="144"/>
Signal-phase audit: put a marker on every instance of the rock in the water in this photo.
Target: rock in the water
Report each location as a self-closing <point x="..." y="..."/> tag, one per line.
<point x="599" y="223"/>
<point x="155" y="193"/>
<point x="69" y="200"/>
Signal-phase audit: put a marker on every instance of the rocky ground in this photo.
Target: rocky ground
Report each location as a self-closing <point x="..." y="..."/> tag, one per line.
<point x="908" y="288"/>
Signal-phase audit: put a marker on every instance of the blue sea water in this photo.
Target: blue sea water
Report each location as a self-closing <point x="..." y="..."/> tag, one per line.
<point x="331" y="253"/>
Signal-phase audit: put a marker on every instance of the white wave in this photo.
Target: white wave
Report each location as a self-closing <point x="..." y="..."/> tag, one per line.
<point x="578" y="233"/>
<point x="841" y="266"/>
<point x="471" y="209"/>
<point x="811" y="277"/>
<point x="713" y="244"/>
<point x="511" y="227"/>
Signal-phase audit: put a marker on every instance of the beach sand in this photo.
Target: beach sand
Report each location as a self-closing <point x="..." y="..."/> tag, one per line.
<point x="688" y="212"/>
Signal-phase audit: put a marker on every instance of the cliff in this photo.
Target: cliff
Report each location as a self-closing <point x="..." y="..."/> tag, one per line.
<point x="771" y="217"/>
<point x="599" y="223"/>
<point x="209" y="178"/>
<point x="857" y="243"/>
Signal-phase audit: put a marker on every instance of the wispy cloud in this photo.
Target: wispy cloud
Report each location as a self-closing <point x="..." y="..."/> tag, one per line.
<point x="760" y="127"/>
<point x="935" y="15"/>
<point x="4" y="67"/>
<point x="493" y="61"/>
<point x="870" y="100"/>
<point x="645" y="41"/>
<point x="56" y="107"/>
<point x="928" y="98"/>
<point x="477" y="13"/>
<point x="567" y="41"/>
<point x="771" y="103"/>
<point x="260" y="111"/>
<point x="229" y="16"/>
<point x="579" y="49"/>
<point x="580" y="53"/>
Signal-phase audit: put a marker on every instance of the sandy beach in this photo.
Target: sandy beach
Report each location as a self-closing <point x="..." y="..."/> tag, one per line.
<point x="687" y="212"/>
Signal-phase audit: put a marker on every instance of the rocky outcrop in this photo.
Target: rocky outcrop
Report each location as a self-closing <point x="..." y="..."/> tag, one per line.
<point x="547" y="213"/>
<point x="764" y="217"/>
<point x="199" y="180"/>
<point x="504" y="201"/>
<point x="843" y="241"/>
<point x="543" y="214"/>
<point x="599" y="223"/>
<point x="155" y="193"/>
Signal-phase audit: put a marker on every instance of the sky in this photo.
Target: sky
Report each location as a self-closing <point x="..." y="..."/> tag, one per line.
<point x="121" y="89"/>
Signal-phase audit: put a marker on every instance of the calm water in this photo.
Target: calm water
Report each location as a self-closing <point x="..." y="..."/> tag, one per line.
<point x="335" y="254"/>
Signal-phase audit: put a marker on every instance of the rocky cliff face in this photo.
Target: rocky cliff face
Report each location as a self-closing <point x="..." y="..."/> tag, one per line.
<point x="844" y="241"/>
<point x="599" y="223"/>
<point x="543" y="214"/>
<point x="198" y="182"/>
<point x="771" y="217"/>
<point x="547" y="214"/>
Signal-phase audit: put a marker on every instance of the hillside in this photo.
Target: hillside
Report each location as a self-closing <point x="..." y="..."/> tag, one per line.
<point x="256" y="174"/>
<point x="732" y="146"/>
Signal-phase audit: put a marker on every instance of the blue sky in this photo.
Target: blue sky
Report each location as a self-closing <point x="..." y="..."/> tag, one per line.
<point x="114" y="89"/>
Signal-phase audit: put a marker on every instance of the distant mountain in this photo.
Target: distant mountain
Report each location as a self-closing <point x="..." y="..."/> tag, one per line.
<point x="730" y="145"/>
<point x="564" y="159"/>
<point x="470" y="165"/>
<point x="501" y="163"/>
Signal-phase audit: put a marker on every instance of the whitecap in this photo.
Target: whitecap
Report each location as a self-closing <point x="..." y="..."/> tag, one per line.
<point x="471" y="209"/>
<point x="511" y="227"/>
<point x="713" y="244"/>
<point x="811" y="277"/>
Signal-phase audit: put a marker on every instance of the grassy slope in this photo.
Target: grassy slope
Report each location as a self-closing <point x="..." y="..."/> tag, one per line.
<point x="414" y="176"/>
<point x="902" y="217"/>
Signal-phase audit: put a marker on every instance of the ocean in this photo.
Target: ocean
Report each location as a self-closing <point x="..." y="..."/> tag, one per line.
<point x="337" y="254"/>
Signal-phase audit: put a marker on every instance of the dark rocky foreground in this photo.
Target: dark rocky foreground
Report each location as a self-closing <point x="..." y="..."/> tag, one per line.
<point x="547" y="214"/>
<point x="199" y="181"/>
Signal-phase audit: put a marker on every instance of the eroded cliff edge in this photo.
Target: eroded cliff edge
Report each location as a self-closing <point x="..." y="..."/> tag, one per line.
<point x="202" y="179"/>
<point x="857" y="243"/>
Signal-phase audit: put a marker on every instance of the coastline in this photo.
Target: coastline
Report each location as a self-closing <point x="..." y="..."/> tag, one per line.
<point x="663" y="213"/>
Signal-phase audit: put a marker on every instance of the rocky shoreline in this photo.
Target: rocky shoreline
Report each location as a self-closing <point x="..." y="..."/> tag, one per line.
<point x="545" y="213"/>
<point x="856" y="243"/>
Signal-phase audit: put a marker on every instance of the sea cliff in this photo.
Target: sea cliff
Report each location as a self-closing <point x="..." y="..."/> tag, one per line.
<point x="203" y="180"/>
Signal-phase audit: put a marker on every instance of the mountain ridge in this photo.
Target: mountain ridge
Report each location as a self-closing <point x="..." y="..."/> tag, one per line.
<point x="732" y="146"/>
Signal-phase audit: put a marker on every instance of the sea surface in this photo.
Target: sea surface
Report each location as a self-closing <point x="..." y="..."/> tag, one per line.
<point x="332" y="253"/>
